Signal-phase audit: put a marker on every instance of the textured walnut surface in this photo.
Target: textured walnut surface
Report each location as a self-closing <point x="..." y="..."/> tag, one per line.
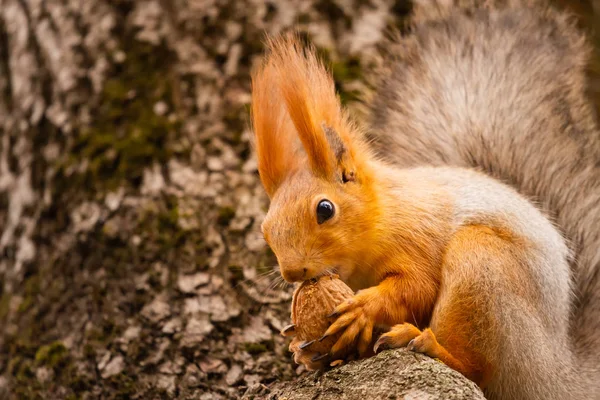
<point x="312" y="302"/>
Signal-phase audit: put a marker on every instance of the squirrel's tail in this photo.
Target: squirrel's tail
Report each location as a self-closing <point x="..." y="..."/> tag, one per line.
<point x="504" y="89"/>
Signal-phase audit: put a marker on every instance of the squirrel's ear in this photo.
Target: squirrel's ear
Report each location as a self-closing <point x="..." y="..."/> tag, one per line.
<point x="331" y="143"/>
<point x="344" y="156"/>
<point x="274" y="133"/>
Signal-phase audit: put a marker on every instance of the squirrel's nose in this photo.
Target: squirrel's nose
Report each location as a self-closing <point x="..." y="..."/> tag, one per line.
<point x="294" y="274"/>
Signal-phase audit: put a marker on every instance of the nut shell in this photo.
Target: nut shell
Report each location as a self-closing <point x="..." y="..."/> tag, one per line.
<point x="313" y="300"/>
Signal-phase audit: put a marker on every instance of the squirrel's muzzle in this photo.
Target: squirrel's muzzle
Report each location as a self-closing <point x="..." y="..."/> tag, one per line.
<point x="294" y="274"/>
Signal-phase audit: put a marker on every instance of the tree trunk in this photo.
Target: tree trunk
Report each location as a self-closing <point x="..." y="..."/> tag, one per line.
<point x="132" y="264"/>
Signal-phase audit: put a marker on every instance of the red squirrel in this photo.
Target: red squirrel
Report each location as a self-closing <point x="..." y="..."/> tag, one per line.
<point x="428" y="211"/>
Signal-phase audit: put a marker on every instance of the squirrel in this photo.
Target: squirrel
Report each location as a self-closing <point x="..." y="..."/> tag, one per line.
<point x="466" y="213"/>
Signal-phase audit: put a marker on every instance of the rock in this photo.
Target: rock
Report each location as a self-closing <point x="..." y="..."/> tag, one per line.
<point x="112" y="368"/>
<point x="188" y="283"/>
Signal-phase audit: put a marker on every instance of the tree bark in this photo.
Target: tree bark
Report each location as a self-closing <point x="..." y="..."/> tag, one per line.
<point x="394" y="374"/>
<point x="131" y="259"/>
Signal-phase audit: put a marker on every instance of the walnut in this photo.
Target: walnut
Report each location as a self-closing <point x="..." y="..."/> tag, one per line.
<point x="313" y="300"/>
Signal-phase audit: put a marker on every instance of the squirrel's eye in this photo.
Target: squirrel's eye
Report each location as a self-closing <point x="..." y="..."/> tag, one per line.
<point x="325" y="210"/>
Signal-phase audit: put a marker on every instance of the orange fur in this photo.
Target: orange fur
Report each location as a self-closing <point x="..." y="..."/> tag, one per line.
<point x="273" y="131"/>
<point x="309" y="95"/>
<point x="403" y="269"/>
<point x="476" y="256"/>
<point x="293" y="76"/>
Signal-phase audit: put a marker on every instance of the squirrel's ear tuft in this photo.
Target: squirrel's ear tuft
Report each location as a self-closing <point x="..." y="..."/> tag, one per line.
<point x="293" y="96"/>
<point x="308" y="90"/>
<point x="274" y="134"/>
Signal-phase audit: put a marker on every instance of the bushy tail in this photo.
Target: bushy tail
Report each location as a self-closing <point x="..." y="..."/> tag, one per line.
<point x="503" y="89"/>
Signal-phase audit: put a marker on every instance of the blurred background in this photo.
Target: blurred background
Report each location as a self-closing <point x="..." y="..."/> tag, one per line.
<point x="131" y="260"/>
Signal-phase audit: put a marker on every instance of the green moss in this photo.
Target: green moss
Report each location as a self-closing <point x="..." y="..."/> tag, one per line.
<point x="343" y="71"/>
<point x="32" y="289"/>
<point x="169" y="217"/>
<point x="106" y="332"/>
<point x="255" y="348"/>
<point x="349" y="69"/>
<point x="126" y="135"/>
<point x="52" y="355"/>
<point x="160" y="227"/>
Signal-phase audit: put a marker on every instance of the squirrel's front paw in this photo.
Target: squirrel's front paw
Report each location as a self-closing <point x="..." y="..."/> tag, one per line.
<point x="357" y="318"/>
<point x="304" y="355"/>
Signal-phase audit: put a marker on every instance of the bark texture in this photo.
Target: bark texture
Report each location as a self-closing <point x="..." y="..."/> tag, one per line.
<point x="131" y="260"/>
<point x="395" y="374"/>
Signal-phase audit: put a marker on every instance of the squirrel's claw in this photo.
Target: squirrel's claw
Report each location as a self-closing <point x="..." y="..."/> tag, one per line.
<point x="399" y="336"/>
<point x="381" y="344"/>
<point x="426" y="343"/>
<point x="356" y="318"/>
<point x="302" y="355"/>
<point x="319" y="357"/>
<point x="305" y="344"/>
<point x="289" y="330"/>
